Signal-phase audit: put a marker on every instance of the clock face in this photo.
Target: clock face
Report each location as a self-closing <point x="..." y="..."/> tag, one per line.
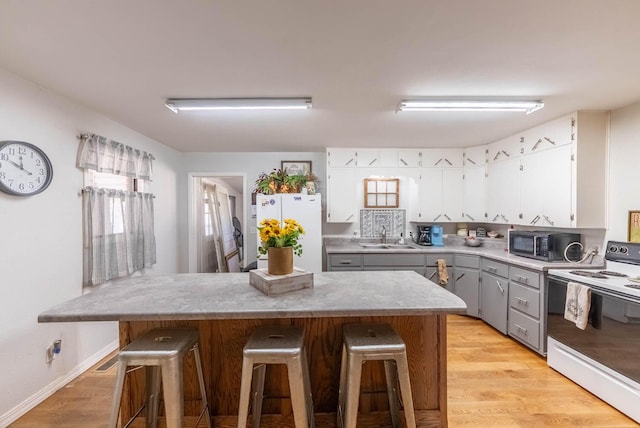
<point x="24" y="168"/>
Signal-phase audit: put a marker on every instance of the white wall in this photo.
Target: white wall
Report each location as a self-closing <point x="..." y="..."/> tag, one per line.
<point x="251" y="164"/>
<point x="624" y="161"/>
<point x="41" y="243"/>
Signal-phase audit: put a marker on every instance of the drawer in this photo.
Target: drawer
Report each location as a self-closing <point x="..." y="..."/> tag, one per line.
<point x="345" y="260"/>
<point x="393" y="259"/>
<point x="432" y="259"/>
<point x="524" y="299"/>
<point x="463" y="260"/>
<point x="524" y="276"/>
<point x="496" y="268"/>
<point x="524" y="329"/>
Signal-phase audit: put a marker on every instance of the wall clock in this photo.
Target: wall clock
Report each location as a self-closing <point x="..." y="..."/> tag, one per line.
<point x="24" y="169"/>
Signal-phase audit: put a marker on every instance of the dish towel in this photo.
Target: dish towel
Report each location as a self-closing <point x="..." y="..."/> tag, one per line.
<point x="443" y="275"/>
<point x="577" y="305"/>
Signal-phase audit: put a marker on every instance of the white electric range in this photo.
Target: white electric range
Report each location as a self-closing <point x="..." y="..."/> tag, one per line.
<point x="604" y="358"/>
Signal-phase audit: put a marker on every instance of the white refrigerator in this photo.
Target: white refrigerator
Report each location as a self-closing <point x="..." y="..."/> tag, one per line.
<point x="306" y="210"/>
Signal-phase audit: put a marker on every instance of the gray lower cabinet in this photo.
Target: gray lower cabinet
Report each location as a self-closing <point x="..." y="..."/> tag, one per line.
<point x="344" y="261"/>
<point x="432" y="269"/>
<point x="494" y="293"/>
<point x="414" y="262"/>
<point x="526" y="323"/>
<point x="466" y="280"/>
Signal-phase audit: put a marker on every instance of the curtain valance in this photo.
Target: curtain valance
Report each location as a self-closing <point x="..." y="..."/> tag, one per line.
<point x="103" y="155"/>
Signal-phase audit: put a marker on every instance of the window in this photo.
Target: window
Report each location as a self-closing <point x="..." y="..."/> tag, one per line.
<point x="381" y="192"/>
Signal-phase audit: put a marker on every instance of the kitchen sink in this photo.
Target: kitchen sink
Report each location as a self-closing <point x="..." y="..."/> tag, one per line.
<point x="386" y="246"/>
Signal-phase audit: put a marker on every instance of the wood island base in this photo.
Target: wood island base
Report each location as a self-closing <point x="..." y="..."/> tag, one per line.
<point x="221" y="344"/>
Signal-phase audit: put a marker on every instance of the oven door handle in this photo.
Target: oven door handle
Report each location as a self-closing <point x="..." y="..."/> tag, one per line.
<point x="596" y="290"/>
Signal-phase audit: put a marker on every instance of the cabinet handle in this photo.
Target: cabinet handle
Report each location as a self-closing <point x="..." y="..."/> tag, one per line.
<point x="492" y="269"/>
<point x="472" y="219"/>
<point x="548" y="220"/>
<point x="496" y="217"/>
<point x="535" y="146"/>
<point x="521" y="329"/>
<point x="348" y="218"/>
<point x="403" y="162"/>
<point x="447" y="161"/>
<point x="373" y="161"/>
<point x="522" y="278"/>
<point x="471" y="161"/>
<point x="433" y="274"/>
<point x="500" y="286"/>
<point x="535" y="220"/>
<point x="439" y="160"/>
<point x="550" y="140"/>
<point x="447" y="217"/>
<point x="460" y="277"/>
<point x="349" y="161"/>
<point x="439" y="215"/>
<point x="523" y="302"/>
<point x="346" y="262"/>
<point x="504" y="218"/>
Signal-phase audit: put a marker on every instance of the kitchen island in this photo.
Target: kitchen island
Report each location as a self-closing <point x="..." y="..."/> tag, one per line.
<point x="225" y="309"/>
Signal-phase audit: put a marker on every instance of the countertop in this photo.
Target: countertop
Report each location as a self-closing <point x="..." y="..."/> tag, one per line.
<point x="493" y="249"/>
<point x="230" y="296"/>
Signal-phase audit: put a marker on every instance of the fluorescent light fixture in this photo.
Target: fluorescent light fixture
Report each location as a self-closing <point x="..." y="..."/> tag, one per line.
<point x="185" y="104"/>
<point x="470" y="105"/>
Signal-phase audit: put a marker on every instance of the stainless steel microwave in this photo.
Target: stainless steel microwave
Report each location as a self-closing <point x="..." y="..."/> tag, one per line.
<point x="546" y="246"/>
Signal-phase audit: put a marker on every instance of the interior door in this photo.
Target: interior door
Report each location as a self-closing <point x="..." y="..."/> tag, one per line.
<point x="228" y="248"/>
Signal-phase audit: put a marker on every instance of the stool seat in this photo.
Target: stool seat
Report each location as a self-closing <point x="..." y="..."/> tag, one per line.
<point x="365" y="342"/>
<point x="275" y="345"/>
<point x="161" y="351"/>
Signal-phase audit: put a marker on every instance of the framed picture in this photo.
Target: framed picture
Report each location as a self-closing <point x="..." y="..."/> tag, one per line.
<point x="296" y="167"/>
<point x="634" y="226"/>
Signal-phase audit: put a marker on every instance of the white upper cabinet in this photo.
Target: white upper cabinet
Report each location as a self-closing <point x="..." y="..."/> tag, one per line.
<point x="556" y="133"/>
<point x="442" y="158"/>
<point x="503" y="181"/>
<point x="376" y="158"/>
<point x="340" y="158"/>
<point x="342" y="195"/>
<point x="474" y="200"/>
<point x="410" y="158"/>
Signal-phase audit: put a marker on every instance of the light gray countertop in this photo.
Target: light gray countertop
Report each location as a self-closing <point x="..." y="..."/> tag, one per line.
<point x="230" y="296"/>
<point x="493" y="249"/>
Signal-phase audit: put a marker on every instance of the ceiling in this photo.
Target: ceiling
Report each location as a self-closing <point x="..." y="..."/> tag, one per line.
<point x="356" y="58"/>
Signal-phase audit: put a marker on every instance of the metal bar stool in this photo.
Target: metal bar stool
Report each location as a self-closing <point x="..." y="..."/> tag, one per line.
<point x="161" y="351"/>
<point x="275" y="345"/>
<point x="364" y="342"/>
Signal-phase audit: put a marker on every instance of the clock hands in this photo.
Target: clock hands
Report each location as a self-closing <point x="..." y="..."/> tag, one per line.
<point x="20" y="167"/>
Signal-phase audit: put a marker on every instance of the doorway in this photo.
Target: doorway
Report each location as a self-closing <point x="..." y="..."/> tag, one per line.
<point x="217" y="213"/>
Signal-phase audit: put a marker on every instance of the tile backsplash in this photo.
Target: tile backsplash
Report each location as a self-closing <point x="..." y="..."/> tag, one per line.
<point x="373" y="220"/>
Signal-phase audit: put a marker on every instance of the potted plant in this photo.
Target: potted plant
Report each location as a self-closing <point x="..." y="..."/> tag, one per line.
<point x="278" y="181"/>
<point x="280" y="242"/>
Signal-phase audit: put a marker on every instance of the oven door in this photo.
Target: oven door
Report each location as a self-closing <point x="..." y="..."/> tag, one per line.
<point x="612" y="337"/>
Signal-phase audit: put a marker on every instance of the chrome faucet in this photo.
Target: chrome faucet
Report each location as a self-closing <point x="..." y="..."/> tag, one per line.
<point x="383" y="235"/>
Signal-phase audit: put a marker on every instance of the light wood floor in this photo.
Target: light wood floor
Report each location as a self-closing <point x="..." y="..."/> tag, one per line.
<point x="492" y="382"/>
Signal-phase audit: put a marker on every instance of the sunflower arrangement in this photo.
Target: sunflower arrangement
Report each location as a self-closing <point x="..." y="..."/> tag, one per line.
<point x="274" y="234"/>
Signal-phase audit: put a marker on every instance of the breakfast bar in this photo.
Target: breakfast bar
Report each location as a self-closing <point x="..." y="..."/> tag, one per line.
<point x="226" y="308"/>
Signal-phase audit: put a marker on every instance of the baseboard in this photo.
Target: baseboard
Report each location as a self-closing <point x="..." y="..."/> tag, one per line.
<point x="37" y="398"/>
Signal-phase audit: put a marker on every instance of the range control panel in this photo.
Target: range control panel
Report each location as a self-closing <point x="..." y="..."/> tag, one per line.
<point x="625" y="252"/>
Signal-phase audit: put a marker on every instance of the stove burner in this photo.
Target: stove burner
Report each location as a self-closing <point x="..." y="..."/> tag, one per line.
<point x="589" y="274"/>
<point x="633" y="286"/>
<point x="612" y="273"/>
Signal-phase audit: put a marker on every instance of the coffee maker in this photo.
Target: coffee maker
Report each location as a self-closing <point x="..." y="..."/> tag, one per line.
<point x="437" y="236"/>
<point x="424" y="235"/>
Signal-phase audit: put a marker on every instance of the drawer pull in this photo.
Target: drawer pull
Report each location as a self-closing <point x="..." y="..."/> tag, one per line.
<point x="522" y="278"/>
<point x="500" y="286"/>
<point x="521" y="329"/>
<point x="460" y="277"/>
<point x="492" y="269"/>
<point x="523" y="302"/>
<point x="346" y="262"/>
<point x="433" y="274"/>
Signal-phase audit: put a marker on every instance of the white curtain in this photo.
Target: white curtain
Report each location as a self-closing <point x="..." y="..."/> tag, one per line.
<point x="118" y="233"/>
<point x="98" y="153"/>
